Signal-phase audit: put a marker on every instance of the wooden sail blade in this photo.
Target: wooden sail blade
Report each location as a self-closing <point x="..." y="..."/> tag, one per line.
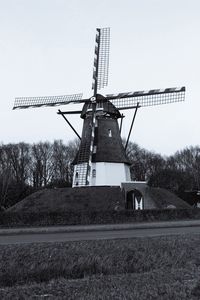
<point x="31" y="102"/>
<point x="147" y="98"/>
<point x="101" y="59"/>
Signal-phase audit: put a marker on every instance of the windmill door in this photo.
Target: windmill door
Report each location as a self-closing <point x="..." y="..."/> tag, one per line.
<point x="134" y="200"/>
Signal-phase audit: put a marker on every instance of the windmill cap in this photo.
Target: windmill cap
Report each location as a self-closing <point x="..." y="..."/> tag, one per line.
<point x="102" y="104"/>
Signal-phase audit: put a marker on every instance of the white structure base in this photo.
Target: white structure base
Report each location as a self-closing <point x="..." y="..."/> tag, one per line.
<point x="105" y="173"/>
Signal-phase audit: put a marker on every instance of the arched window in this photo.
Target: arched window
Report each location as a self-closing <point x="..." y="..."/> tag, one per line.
<point x="94" y="173"/>
<point x="109" y="133"/>
<point x="76" y="178"/>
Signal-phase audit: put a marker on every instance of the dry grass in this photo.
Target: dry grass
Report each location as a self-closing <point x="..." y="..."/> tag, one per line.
<point x="147" y="268"/>
<point x="152" y="285"/>
<point x="164" y="198"/>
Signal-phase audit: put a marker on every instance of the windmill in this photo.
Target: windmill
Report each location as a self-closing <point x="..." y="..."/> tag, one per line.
<point x="101" y="158"/>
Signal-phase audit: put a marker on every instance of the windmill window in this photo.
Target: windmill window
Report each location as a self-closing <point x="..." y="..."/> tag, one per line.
<point x="94" y="173"/>
<point x="99" y="105"/>
<point x="109" y="133"/>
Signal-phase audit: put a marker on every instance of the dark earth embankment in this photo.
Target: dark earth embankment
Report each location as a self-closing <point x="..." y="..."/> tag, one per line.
<point x="93" y="199"/>
<point x="71" y="199"/>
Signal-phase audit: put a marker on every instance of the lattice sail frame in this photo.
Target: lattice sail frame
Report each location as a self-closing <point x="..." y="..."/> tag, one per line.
<point x="101" y="58"/>
<point x="28" y="102"/>
<point x="147" y="98"/>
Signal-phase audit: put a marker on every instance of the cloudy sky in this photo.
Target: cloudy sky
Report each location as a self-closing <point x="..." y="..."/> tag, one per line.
<point x="47" y="48"/>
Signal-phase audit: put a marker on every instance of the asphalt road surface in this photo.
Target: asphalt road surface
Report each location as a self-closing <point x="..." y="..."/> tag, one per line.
<point x="98" y="233"/>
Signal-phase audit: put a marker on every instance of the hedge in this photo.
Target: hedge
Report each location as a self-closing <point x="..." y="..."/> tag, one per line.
<point x="16" y="219"/>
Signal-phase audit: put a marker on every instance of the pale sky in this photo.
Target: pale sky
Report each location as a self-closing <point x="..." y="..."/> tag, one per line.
<point x="47" y="48"/>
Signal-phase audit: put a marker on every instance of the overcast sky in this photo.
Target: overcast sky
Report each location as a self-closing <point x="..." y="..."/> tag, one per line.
<point x="47" y="48"/>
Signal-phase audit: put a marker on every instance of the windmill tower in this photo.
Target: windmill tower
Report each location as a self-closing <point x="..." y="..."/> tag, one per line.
<point x="101" y="158"/>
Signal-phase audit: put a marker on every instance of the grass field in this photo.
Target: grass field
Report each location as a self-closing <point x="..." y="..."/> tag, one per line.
<point x="142" y="268"/>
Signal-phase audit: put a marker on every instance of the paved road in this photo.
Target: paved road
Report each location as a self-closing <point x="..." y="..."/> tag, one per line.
<point x="100" y="232"/>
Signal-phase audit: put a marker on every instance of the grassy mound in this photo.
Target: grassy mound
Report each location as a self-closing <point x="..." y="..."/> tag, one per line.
<point x="94" y="199"/>
<point x="94" y="205"/>
<point x="71" y="199"/>
<point x="165" y="199"/>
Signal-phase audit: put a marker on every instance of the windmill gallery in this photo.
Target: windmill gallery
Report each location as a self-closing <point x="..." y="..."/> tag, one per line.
<point x="101" y="160"/>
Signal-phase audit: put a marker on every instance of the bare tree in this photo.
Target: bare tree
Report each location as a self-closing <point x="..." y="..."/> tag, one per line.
<point x="18" y="156"/>
<point x="188" y="160"/>
<point x="14" y="171"/>
<point x="143" y="163"/>
<point x="41" y="166"/>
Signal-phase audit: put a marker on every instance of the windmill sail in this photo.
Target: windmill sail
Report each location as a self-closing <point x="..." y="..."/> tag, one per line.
<point x="147" y="98"/>
<point x="101" y="59"/>
<point x="29" y="102"/>
<point x="84" y="158"/>
<point x="100" y="80"/>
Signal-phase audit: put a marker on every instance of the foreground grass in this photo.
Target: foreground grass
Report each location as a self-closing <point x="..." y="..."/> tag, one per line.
<point x="147" y="268"/>
<point x="175" y="284"/>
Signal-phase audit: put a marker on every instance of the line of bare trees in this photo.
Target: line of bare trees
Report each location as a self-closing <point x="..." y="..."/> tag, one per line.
<point x="181" y="170"/>
<point x="179" y="173"/>
<point x="24" y="168"/>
